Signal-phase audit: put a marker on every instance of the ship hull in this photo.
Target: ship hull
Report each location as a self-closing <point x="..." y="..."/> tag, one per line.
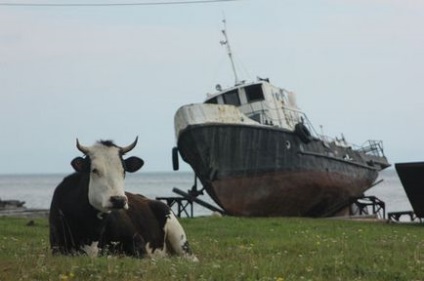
<point x="253" y="170"/>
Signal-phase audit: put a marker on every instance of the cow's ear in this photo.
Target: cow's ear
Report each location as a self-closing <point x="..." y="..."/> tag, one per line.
<point x="79" y="164"/>
<point x="133" y="164"/>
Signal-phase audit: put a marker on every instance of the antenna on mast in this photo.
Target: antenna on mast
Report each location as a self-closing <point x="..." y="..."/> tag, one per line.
<point x="230" y="55"/>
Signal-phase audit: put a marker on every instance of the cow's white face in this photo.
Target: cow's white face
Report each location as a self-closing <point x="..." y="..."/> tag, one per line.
<point x="106" y="188"/>
<point x="106" y="169"/>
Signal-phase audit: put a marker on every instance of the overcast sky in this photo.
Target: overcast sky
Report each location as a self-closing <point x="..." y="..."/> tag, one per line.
<point x="120" y="72"/>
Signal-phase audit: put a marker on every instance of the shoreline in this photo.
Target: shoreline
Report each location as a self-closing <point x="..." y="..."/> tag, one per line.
<point x="25" y="213"/>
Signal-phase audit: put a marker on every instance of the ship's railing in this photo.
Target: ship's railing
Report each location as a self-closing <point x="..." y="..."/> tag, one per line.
<point x="266" y="115"/>
<point x="305" y="120"/>
<point x="372" y="147"/>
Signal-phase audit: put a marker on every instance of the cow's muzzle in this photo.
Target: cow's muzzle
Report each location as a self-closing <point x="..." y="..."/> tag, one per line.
<point x="119" y="202"/>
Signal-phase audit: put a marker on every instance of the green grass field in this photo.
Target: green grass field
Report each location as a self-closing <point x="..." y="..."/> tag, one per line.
<point x="234" y="249"/>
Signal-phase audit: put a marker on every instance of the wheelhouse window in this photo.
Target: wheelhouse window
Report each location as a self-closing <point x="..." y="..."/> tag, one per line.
<point x="254" y="93"/>
<point x="213" y="100"/>
<point x="232" y="98"/>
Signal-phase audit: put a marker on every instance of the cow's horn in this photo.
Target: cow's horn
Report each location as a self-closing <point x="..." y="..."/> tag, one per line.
<point x="130" y="147"/>
<point x="81" y="148"/>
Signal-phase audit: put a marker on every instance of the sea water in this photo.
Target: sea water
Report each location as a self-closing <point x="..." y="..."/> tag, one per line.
<point x="37" y="190"/>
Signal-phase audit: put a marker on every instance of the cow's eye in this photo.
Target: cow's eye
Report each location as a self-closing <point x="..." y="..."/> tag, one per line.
<point x="95" y="171"/>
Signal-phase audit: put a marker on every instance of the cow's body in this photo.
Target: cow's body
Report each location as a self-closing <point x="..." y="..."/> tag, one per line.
<point x="148" y="220"/>
<point x="83" y="221"/>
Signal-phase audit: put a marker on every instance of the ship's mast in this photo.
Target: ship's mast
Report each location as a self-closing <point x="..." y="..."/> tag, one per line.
<point x="230" y="55"/>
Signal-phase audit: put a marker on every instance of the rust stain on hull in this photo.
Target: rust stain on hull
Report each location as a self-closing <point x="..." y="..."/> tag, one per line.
<point x="310" y="194"/>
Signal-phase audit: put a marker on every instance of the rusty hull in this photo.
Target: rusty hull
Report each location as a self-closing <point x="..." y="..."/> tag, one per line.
<point x="310" y="194"/>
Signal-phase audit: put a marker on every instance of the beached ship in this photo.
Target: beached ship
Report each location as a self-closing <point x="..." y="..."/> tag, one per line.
<point x="257" y="154"/>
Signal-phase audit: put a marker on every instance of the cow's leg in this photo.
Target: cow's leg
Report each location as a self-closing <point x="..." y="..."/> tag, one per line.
<point x="176" y="238"/>
<point x="135" y="246"/>
<point x="61" y="238"/>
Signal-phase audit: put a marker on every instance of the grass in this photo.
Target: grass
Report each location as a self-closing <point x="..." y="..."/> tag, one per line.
<point x="278" y="249"/>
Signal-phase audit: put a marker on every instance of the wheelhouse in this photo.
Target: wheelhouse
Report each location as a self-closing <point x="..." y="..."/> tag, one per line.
<point x="261" y="102"/>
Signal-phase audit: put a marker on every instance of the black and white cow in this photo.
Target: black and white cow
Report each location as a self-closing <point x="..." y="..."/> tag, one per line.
<point x="90" y="211"/>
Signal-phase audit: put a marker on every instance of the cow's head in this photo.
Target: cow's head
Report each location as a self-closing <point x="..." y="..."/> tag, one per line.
<point x="106" y="166"/>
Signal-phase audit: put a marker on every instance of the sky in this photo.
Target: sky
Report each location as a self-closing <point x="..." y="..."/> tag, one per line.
<point x="123" y="71"/>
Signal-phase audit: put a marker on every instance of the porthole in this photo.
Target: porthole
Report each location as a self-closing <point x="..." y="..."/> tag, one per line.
<point x="288" y="144"/>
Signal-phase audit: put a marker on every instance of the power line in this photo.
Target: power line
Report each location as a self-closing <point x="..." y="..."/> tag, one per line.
<point x="112" y="4"/>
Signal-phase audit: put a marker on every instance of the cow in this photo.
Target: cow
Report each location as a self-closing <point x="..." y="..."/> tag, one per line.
<point x="91" y="213"/>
